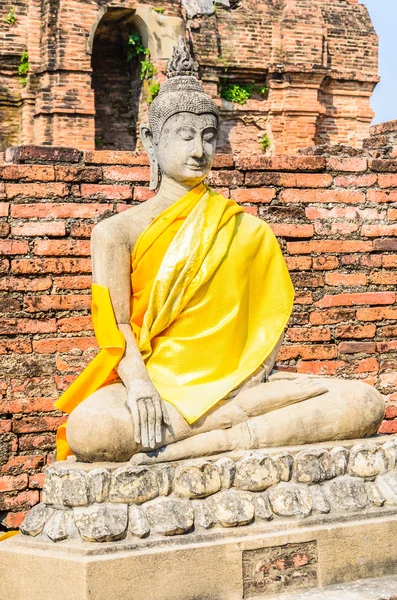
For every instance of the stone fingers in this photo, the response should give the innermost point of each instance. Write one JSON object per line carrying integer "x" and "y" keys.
{"x": 159, "y": 420}
{"x": 151, "y": 421}
{"x": 143, "y": 416}
{"x": 137, "y": 422}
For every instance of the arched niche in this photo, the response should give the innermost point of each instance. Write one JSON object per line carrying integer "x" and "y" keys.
{"x": 115, "y": 79}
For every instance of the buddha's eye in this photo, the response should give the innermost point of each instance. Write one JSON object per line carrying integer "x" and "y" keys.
{"x": 185, "y": 133}
{"x": 209, "y": 136}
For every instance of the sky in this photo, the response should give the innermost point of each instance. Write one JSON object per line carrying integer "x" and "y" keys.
{"x": 384, "y": 17}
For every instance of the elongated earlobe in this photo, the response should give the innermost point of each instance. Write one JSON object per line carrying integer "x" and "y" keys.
{"x": 147, "y": 141}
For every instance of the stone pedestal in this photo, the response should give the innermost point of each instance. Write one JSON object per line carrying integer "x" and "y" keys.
{"x": 245, "y": 525}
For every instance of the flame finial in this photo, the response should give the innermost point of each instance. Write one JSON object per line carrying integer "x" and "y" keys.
{"x": 181, "y": 63}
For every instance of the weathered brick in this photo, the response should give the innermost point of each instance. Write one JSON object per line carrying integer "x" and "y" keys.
{"x": 77, "y": 282}
{"x": 36, "y": 190}
{"x": 356, "y": 181}
{"x": 36, "y": 424}
{"x": 316, "y": 352}
{"x": 322, "y": 196}
{"x": 324, "y": 246}
{"x": 281, "y": 163}
{"x": 227, "y": 178}
{"x": 13, "y": 247}
{"x": 135, "y": 174}
{"x": 19, "y": 501}
{"x": 75, "y": 324}
{"x": 292, "y": 180}
{"x": 355, "y": 331}
{"x": 62, "y": 248}
{"x": 355, "y": 164}
{"x": 39, "y": 228}
{"x": 61, "y": 302}
{"x": 14, "y": 326}
{"x": 78, "y": 174}
{"x": 52, "y": 345}
{"x": 15, "y": 345}
{"x": 325, "y": 263}
{"x": 24, "y": 284}
{"x": 8, "y": 483}
{"x": 321, "y": 367}
{"x": 381, "y": 196}
{"x": 383, "y": 278}
{"x": 389, "y": 261}
{"x": 27, "y": 172}
{"x": 25, "y": 266}
{"x": 254, "y": 195}
{"x": 333, "y": 315}
{"x": 63, "y": 210}
{"x": 357, "y": 299}
{"x": 376, "y": 314}
{"x": 378, "y": 230}
{"x": 291, "y": 230}
{"x": 141, "y": 194}
{"x": 4, "y": 209}
{"x": 357, "y": 347}
{"x": 106, "y": 192}
{"x": 345, "y": 279}
{"x": 303, "y": 334}
{"x": 298, "y": 263}
{"x": 115, "y": 157}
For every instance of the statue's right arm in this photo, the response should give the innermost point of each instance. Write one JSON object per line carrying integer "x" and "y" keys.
{"x": 111, "y": 268}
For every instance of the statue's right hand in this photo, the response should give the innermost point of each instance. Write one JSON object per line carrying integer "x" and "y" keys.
{"x": 148, "y": 412}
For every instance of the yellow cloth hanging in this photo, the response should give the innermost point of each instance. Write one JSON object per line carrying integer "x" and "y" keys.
{"x": 211, "y": 298}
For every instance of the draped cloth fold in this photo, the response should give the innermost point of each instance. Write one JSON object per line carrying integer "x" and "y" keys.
{"x": 211, "y": 298}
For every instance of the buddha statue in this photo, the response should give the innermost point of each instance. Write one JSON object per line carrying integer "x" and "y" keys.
{"x": 191, "y": 297}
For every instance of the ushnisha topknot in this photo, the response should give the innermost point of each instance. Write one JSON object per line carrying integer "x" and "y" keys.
{"x": 182, "y": 92}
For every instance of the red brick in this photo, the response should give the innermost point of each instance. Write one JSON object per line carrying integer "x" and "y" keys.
{"x": 107, "y": 192}
{"x": 51, "y": 265}
{"x": 347, "y": 213}
{"x": 26, "y": 405}
{"x": 281, "y": 163}
{"x": 316, "y": 352}
{"x": 389, "y": 261}
{"x": 19, "y": 501}
{"x": 78, "y": 174}
{"x": 251, "y": 210}
{"x": 36, "y": 228}
{"x": 376, "y": 314}
{"x": 24, "y": 463}
{"x": 379, "y": 196}
{"x": 304, "y": 334}
{"x": 225, "y": 178}
{"x": 27, "y": 172}
{"x": 36, "y": 190}
{"x": 392, "y": 214}
{"x": 77, "y": 282}
{"x": 222, "y": 161}
{"x": 325, "y": 263}
{"x": 141, "y": 194}
{"x": 25, "y": 285}
{"x": 307, "y": 280}
{"x": 61, "y": 302}
{"x": 8, "y": 483}
{"x": 320, "y": 367}
{"x": 324, "y": 246}
{"x": 117, "y": 173}
{"x": 388, "y": 427}
{"x": 13, "y": 520}
{"x": 75, "y": 324}
{"x": 4, "y": 207}
{"x": 4, "y": 229}
{"x": 290, "y": 230}
{"x": 13, "y": 326}
{"x": 333, "y": 315}
{"x": 45, "y": 441}
{"x": 386, "y": 245}
{"x": 367, "y": 365}
{"x": 291, "y": 180}
{"x": 254, "y": 195}
{"x": 347, "y": 164}
{"x": 356, "y": 181}
{"x": 388, "y": 331}
{"x": 5, "y": 426}
{"x": 372, "y": 261}
{"x": 383, "y": 278}
{"x": 81, "y": 230}
{"x": 62, "y": 248}
{"x": 298, "y": 263}
{"x": 346, "y": 279}
{"x": 387, "y": 181}
{"x": 37, "y": 481}
{"x": 15, "y": 345}
{"x": 37, "y": 424}
{"x": 13, "y": 247}
{"x": 52, "y": 345}
{"x": 383, "y": 165}
{"x": 355, "y": 331}
{"x": 357, "y": 347}
{"x": 4, "y": 265}
{"x": 63, "y": 210}
{"x": 115, "y": 157}
{"x": 378, "y": 230}
{"x": 386, "y": 346}
{"x": 356, "y": 299}
{"x": 303, "y": 297}
{"x": 322, "y": 196}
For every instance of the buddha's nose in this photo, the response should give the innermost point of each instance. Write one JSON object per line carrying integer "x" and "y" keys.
{"x": 197, "y": 150}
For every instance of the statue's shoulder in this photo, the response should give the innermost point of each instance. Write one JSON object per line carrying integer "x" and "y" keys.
{"x": 123, "y": 228}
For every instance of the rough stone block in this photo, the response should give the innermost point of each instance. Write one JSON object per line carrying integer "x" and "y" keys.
{"x": 74, "y": 488}
{"x": 263, "y": 509}
{"x": 98, "y": 485}
{"x": 169, "y": 516}
{"x": 197, "y": 480}
{"x": 319, "y": 499}
{"x": 390, "y": 449}
{"x": 311, "y": 466}
{"x": 256, "y": 472}
{"x": 387, "y": 485}
{"x": 138, "y": 523}
{"x": 346, "y": 493}
{"x": 284, "y": 462}
{"x": 203, "y": 515}
{"x": 134, "y": 485}
{"x": 374, "y": 495}
{"x": 291, "y": 500}
{"x": 367, "y": 460}
{"x": 105, "y": 522}
{"x": 232, "y": 508}
{"x": 34, "y": 522}
{"x": 227, "y": 471}
{"x": 56, "y": 526}
{"x": 339, "y": 460}
{"x": 165, "y": 476}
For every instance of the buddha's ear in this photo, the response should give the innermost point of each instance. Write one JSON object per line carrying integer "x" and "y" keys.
{"x": 148, "y": 144}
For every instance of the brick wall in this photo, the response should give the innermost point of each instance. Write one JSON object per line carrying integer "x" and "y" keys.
{"x": 335, "y": 218}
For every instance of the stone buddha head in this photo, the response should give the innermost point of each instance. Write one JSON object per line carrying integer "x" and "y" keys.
{"x": 180, "y": 138}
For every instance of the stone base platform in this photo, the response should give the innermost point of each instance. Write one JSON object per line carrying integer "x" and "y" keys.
{"x": 243, "y": 525}
{"x": 249, "y": 562}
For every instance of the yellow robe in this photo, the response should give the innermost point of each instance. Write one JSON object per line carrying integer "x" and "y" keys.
{"x": 211, "y": 298}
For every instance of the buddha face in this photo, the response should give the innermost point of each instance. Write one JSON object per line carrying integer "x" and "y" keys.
{"x": 185, "y": 152}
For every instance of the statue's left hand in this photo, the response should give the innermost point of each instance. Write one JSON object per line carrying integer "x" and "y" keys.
{"x": 148, "y": 412}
